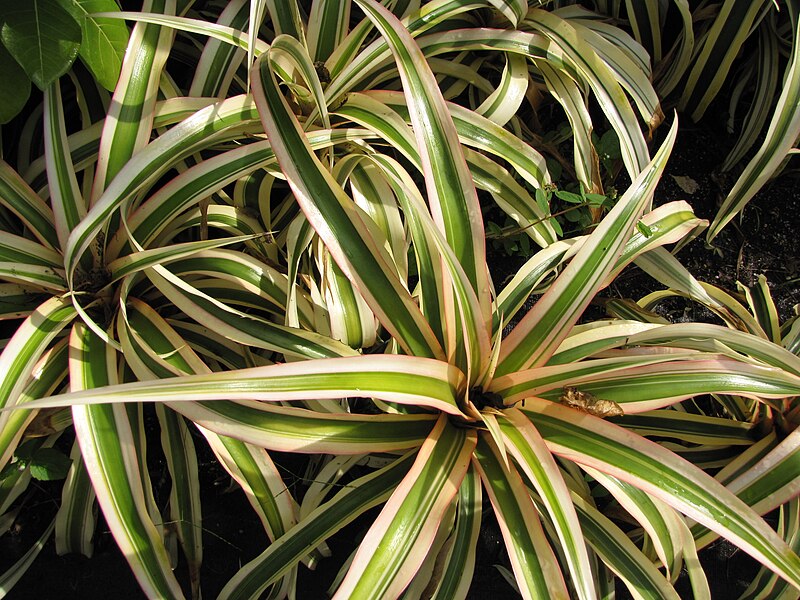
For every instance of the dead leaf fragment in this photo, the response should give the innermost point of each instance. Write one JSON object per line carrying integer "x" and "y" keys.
{"x": 589, "y": 403}
{"x": 687, "y": 184}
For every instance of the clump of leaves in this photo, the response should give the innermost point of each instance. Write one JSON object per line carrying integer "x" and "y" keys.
{"x": 40, "y": 40}
{"x": 349, "y": 174}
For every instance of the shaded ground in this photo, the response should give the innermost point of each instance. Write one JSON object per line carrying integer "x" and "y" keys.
{"x": 762, "y": 240}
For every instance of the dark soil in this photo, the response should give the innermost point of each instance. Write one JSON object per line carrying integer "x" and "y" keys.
{"x": 761, "y": 240}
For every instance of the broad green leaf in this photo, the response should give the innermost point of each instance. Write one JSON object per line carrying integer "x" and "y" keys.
{"x": 49, "y": 464}
{"x": 16, "y": 86}
{"x": 104, "y": 40}
{"x": 42, "y": 37}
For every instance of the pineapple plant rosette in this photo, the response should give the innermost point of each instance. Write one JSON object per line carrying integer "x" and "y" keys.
{"x": 403, "y": 367}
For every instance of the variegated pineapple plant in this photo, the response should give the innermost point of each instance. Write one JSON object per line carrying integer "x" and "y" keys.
{"x": 327, "y": 219}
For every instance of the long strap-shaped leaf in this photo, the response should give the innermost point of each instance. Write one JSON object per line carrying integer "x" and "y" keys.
{"x": 616, "y": 550}
{"x": 208, "y": 177}
{"x": 540, "y": 332}
{"x": 451, "y": 194}
{"x": 17, "y": 249}
{"x": 456, "y": 577}
{"x": 108, "y": 449}
{"x": 535, "y": 566}
{"x": 51, "y": 370}
{"x": 148, "y": 164}
{"x": 723, "y": 42}
{"x": 331, "y": 213}
{"x": 129, "y": 122}
{"x": 566, "y": 41}
{"x": 328, "y": 22}
{"x": 66, "y": 200}
{"x": 218, "y": 62}
{"x": 343, "y": 508}
{"x": 642, "y": 387}
{"x": 784, "y": 129}
{"x": 536, "y": 461}
{"x": 402, "y": 379}
{"x": 184, "y": 495}
{"x": 377, "y": 53}
{"x": 153, "y": 347}
{"x": 396, "y": 544}
{"x": 75, "y": 520}
{"x": 29, "y": 342}
{"x": 471, "y": 349}
{"x": 585, "y": 439}
{"x": 19, "y": 198}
